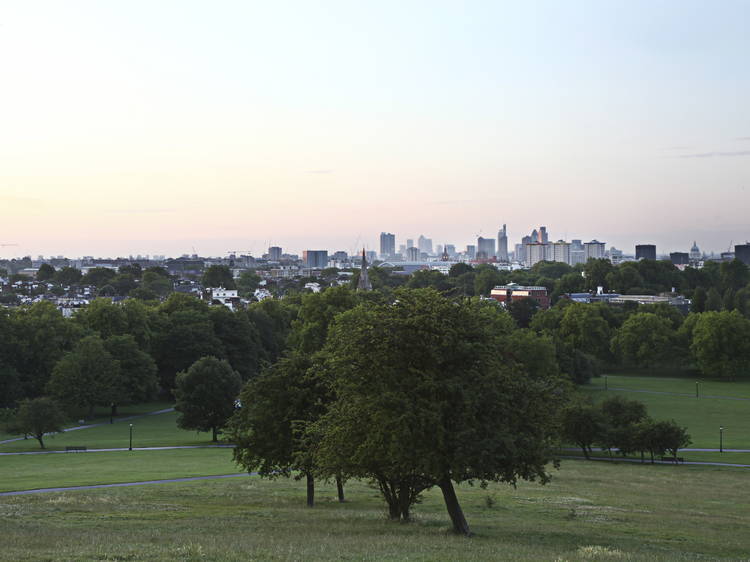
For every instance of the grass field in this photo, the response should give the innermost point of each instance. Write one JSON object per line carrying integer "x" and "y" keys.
{"x": 25, "y": 472}
{"x": 590, "y": 511}
{"x": 149, "y": 431}
{"x": 702, "y": 416}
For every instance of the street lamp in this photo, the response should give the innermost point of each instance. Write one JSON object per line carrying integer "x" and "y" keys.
{"x": 721, "y": 439}
{"x": 130, "y": 448}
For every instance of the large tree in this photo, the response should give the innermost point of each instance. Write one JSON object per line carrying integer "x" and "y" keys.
{"x": 139, "y": 379}
{"x": 218, "y": 276}
{"x": 430, "y": 392}
{"x": 38, "y": 417}
{"x": 721, "y": 344}
{"x": 206, "y": 395}
{"x": 645, "y": 340}
{"x": 86, "y": 377}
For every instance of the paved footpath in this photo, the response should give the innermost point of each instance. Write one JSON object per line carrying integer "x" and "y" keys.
{"x": 671, "y": 463}
{"x": 689, "y": 395}
{"x": 118, "y": 420}
{"x": 122, "y": 484}
{"x": 167, "y": 448}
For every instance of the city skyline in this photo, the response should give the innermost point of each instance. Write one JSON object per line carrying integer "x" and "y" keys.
{"x": 129, "y": 130}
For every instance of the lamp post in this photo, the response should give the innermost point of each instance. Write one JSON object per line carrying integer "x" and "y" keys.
{"x": 605, "y": 382}
{"x": 721, "y": 439}
{"x": 696, "y": 390}
{"x": 130, "y": 448}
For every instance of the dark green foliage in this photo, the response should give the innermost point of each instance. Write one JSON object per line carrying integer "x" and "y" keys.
{"x": 138, "y": 372}
{"x": 431, "y": 391}
{"x": 239, "y": 339}
{"x": 68, "y": 276}
{"x": 218, "y": 276}
{"x": 698, "y": 302}
{"x": 583, "y": 424}
{"x": 86, "y": 377}
{"x": 713, "y": 300}
{"x": 206, "y": 395}
{"x": 11, "y": 389}
{"x": 99, "y": 276}
{"x": 522, "y": 311}
{"x": 721, "y": 344}
{"x": 38, "y": 417}
{"x": 620, "y": 420}
{"x": 247, "y": 283}
{"x": 46, "y": 272}
{"x": 645, "y": 340}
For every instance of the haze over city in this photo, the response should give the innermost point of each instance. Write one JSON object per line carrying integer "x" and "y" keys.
{"x": 173, "y": 127}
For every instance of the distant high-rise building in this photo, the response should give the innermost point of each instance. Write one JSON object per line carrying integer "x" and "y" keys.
{"x": 471, "y": 251}
{"x": 519, "y": 253}
{"x": 679, "y": 258}
{"x": 534, "y": 236}
{"x": 543, "y": 236}
{"x": 340, "y": 256}
{"x": 274, "y": 253}
{"x": 317, "y": 259}
{"x": 439, "y": 250}
{"x": 560, "y": 252}
{"x": 450, "y": 249}
{"x": 424, "y": 244}
{"x": 577, "y": 252}
{"x": 594, "y": 250}
{"x": 387, "y": 245}
{"x": 486, "y": 246}
{"x": 409, "y": 243}
{"x": 502, "y": 244}
{"x": 412, "y": 254}
{"x": 742, "y": 253}
{"x": 645, "y": 252}
{"x": 535, "y": 252}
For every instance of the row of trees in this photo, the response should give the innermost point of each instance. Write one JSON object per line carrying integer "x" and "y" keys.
{"x": 623, "y": 425}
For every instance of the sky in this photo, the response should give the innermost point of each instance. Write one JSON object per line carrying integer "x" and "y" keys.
{"x": 175, "y": 127}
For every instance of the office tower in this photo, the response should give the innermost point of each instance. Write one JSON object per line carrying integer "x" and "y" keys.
{"x": 450, "y": 249}
{"x": 560, "y": 252}
{"x": 371, "y": 256}
{"x": 409, "y": 243}
{"x": 412, "y": 254}
{"x": 439, "y": 250}
{"x": 679, "y": 258}
{"x": 340, "y": 256}
{"x": 519, "y": 253}
{"x": 645, "y": 252}
{"x": 317, "y": 259}
{"x": 274, "y": 253}
{"x": 387, "y": 245}
{"x": 543, "y": 236}
{"x": 402, "y": 249}
{"x": 471, "y": 251}
{"x": 424, "y": 244}
{"x": 593, "y": 250}
{"x": 534, "y": 236}
{"x": 485, "y": 247}
{"x": 742, "y": 253}
{"x": 577, "y": 252}
{"x": 502, "y": 244}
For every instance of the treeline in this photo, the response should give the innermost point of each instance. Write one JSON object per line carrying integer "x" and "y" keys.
{"x": 112, "y": 354}
{"x": 622, "y": 425}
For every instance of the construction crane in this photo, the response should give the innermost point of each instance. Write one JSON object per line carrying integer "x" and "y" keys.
{"x": 3, "y": 245}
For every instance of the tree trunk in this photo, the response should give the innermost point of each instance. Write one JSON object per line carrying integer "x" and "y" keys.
{"x": 340, "y": 488}
{"x": 40, "y": 438}
{"x": 310, "y": 490}
{"x": 454, "y": 508}
{"x": 585, "y": 452}
{"x": 393, "y": 512}
{"x": 215, "y": 435}
{"x": 90, "y": 415}
{"x": 113, "y": 411}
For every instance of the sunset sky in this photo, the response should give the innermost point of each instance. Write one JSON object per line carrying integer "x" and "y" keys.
{"x": 160, "y": 127}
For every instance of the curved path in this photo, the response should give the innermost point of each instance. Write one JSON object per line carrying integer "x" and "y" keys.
{"x": 119, "y": 420}
{"x": 701, "y": 463}
{"x": 122, "y": 484}
{"x": 687, "y": 394}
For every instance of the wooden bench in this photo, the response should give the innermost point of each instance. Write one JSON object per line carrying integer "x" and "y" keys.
{"x": 74, "y": 448}
{"x": 673, "y": 459}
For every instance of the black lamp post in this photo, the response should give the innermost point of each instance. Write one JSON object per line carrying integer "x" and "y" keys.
{"x": 721, "y": 439}
{"x": 130, "y": 448}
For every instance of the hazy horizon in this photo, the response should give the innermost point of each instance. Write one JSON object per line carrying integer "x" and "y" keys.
{"x": 159, "y": 128}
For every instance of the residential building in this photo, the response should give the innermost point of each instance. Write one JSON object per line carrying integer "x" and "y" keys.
{"x": 594, "y": 250}
{"x": 274, "y": 253}
{"x": 577, "y": 252}
{"x": 513, "y": 292}
{"x": 535, "y": 252}
{"x": 560, "y": 252}
{"x": 742, "y": 253}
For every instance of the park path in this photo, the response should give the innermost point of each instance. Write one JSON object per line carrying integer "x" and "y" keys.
{"x": 122, "y": 484}
{"x": 690, "y": 395}
{"x": 116, "y": 449}
{"x": 725, "y": 450}
{"x": 89, "y": 426}
{"x": 701, "y": 463}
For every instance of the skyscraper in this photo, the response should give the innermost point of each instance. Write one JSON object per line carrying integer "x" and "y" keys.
{"x": 317, "y": 259}
{"x": 560, "y": 252}
{"x": 742, "y": 253}
{"x": 274, "y": 253}
{"x": 543, "y": 236}
{"x": 424, "y": 244}
{"x": 387, "y": 245}
{"x": 486, "y": 247}
{"x": 645, "y": 252}
{"x": 502, "y": 244}
{"x": 594, "y": 250}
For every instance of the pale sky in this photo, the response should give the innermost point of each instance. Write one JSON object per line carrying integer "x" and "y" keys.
{"x": 157, "y": 127}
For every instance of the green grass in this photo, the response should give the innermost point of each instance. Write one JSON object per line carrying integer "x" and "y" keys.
{"x": 150, "y": 431}
{"x": 702, "y": 416}
{"x": 26, "y": 472}
{"x": 590, "y": 511}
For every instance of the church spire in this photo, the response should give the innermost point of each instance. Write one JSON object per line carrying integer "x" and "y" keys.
{"x": 364, "y": 280}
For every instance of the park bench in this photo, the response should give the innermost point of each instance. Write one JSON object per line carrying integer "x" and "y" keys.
{"x": 76, "y": 448}
{"x": 673, "y": 459}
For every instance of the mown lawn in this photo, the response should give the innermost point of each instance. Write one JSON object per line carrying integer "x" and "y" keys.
{"x": 702, "y": 416}
{"x": 590, "y": 511}
{"x": 150, "y": 431}
{"x": 25, "y": 472}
